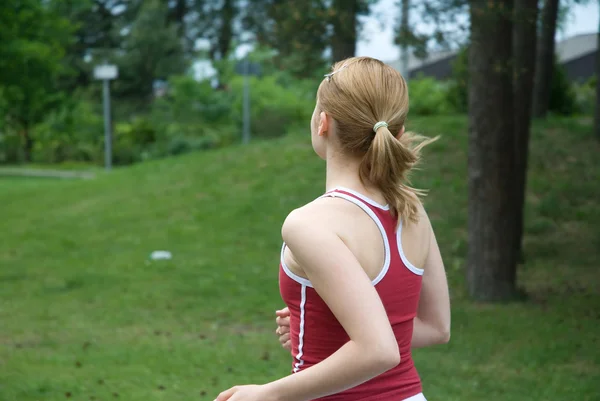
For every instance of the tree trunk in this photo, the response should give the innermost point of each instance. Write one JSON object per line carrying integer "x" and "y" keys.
{"x": 524, "y": 45}
{"x": 597, "y": 114}
{"x": 345, "y": 25}
{"x": 404, "y": 30}
{"x": 545, "y": 59}
{"x": 491, "y": 267}
{"x": 226, "y": 29}
{"x": 180, "y": 11}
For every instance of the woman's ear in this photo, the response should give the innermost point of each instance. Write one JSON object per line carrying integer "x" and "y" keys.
{"x": 323, "y": 124}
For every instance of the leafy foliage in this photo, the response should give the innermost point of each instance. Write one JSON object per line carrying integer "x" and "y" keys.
{"x": 458, "y": 94}
{"x": 562, "y": 93}
{"x": 563, "y": 99}
{"x": 191, "y": 116}
{"x": 585, "y": 96}
{"x": 297, "y": 30}
{"x": 152, "y": 50}
{"x": 33, "y": 39}
{"x": 429, "y": 96}
{"x": 73, "y": 132}
{"x": 446, "y": 17}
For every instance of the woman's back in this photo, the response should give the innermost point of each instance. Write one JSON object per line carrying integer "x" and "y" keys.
{"x": 373, "y": 235}
{"x": 351, "y": 275}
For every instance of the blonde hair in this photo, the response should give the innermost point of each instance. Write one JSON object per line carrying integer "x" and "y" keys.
{"x": 358, "y": 93}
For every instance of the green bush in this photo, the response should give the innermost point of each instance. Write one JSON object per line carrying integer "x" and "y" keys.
{"x": 428, "y": 96}
{"x": 585, "y": 96}
{"x": 11, "y": 150}
{"x": 140, "y": 131}
{"x": 173, "y": 142}
{"x": 563, "y": 99}
{"x": 73, "y": 132}
{"x": 125, "y": 149}
{"x": 10, "y": 147}
{"x": 190, "y": 102}
{"x": 193, "y": 116}
{"x": 458, "y": 89}
{"x": 275, "y": 109}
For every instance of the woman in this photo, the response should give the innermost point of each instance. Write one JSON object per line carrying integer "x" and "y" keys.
{"x": 360, "y": 270}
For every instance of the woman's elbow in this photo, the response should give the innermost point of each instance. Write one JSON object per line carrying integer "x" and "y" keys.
{"x": 388, "y": 357}
{"x": 392, "y": 360}
{"x": 444, "y": 336}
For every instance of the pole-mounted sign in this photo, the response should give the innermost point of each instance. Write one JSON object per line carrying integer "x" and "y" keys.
{"x": 106, "y": 72}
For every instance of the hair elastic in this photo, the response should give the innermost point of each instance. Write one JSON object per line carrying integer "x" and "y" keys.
{"x": 379, "y": 125}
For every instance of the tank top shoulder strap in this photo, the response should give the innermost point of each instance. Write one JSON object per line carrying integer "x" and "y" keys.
{"x": 381, "y": 216}
{"x": 390, "y": 227}
{"x": 382, "y": 211}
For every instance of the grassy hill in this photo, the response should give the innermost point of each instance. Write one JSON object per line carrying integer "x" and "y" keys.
{"x": 86, "y": 315}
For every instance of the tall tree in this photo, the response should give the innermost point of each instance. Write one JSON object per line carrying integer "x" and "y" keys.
{"x": 545, "y": 58}
{"x": 216, "y": 21}
{"x": 178, "y": 10}
{"x": 296, "y": 30}
{"x": 33, "y": 38}
{"x": 95, "y": 23}
{"x": 445, "y": 17}
{"x": 346, "y": 27}
{"x": 597, "y": 113}
{"x": 524, "y": 46}
{"x": 301, "y": 31}
{"x": 491, "y": 264}
{"x": 402, "y": 38}
{"x": 227, "y": 12}
{"x": 151, "y": 50}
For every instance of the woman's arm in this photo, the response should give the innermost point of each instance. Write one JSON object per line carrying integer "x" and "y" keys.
{"x": 432, "y": 324}
{"x": 343, "y": 285}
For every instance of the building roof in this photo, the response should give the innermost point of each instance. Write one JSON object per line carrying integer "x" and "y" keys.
{"x": 568, "y": 49}
{"x": 414, "y": 62}
{"x": 576, "y": 46}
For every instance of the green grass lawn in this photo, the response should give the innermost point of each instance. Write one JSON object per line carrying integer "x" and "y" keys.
{"x": 85, "y": 315}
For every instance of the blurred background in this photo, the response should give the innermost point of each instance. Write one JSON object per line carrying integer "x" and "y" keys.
{"x": 150, "y": 151}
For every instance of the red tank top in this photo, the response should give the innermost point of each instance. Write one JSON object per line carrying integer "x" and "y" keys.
{"x": 316, "y": 333}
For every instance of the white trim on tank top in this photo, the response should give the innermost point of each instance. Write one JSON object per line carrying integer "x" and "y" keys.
{"x": 382, "y": 273}
{"x": 361, "y": 197}
{"x": 365, "y": 208}
{"x": 371, "y": 202}
{"x": 407, "y": 263}
{"x": 300, "y": 354}
{"x": 417, "y": 397}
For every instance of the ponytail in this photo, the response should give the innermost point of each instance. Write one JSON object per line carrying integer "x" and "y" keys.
{"x": 386, "y": 165}
{"x": 358, "y": 91}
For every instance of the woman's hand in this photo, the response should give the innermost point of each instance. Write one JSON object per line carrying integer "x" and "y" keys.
{"x": 283, "y": 328}
{"x": 251, "y": 392}
{"x": 254, "y": 392}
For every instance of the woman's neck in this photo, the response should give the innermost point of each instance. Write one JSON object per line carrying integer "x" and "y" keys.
{"x": 343, "y": 172}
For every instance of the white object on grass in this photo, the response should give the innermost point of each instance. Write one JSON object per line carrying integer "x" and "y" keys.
{"x": 161, "y": 255}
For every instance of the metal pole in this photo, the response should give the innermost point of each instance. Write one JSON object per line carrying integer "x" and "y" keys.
{"x": 246, "y": 105}
{"x": 107, "y": 133}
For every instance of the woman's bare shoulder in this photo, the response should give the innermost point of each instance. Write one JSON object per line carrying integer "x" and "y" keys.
{"x": 322, "y": 213}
